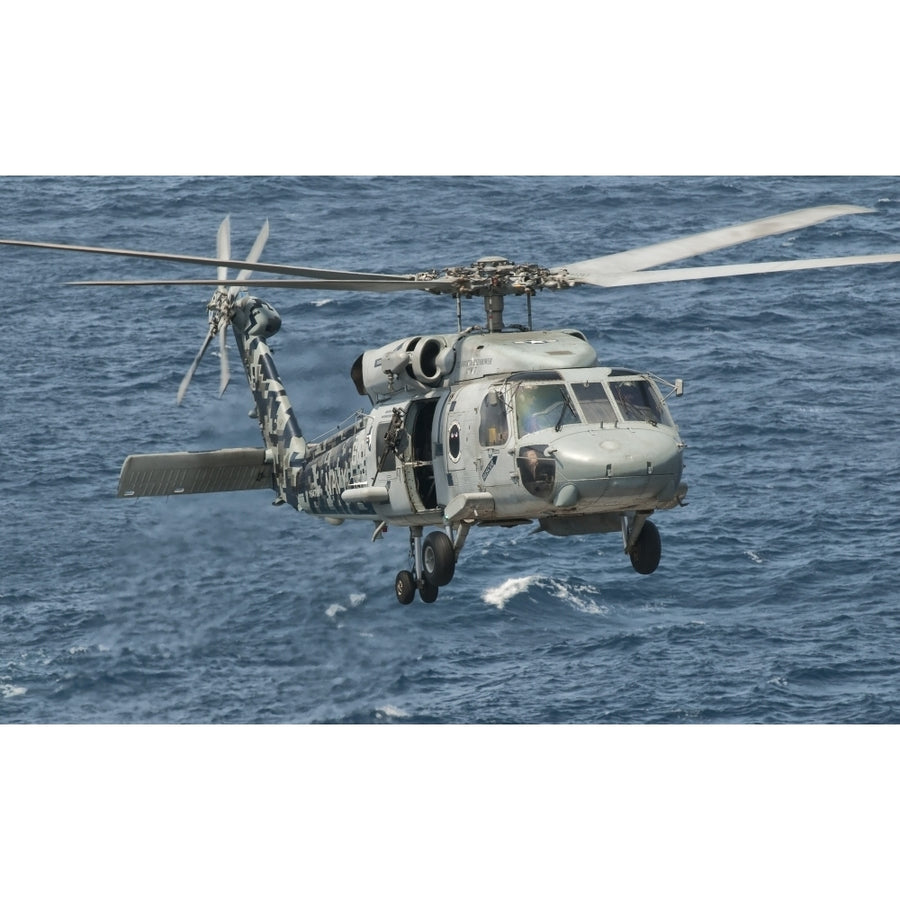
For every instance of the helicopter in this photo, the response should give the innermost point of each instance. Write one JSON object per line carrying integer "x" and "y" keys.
{"x": 489, "y": 425}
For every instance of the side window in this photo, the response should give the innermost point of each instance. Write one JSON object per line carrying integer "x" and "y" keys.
{"x": 387, "y": 442}
{"x": 594, "y": 402}
{"x": 493, "y": 425}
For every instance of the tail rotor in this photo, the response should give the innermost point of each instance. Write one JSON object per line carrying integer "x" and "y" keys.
{"x": 220, "y": 307}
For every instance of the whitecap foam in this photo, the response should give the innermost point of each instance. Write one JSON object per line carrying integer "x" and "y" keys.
{"x": 390, "y": 712}
{"x": 585, "y": 604}
{"x": 501, "y": 595}
{"x": 580, "y": 599}
{"x": 8, "y": 691}
{"x": 323, "y": 301}
{"x": 357, "y": 600}
{"x": 334, "y": 609}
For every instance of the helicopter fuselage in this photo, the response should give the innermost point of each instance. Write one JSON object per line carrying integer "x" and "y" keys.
{"x": 487, "y": 428}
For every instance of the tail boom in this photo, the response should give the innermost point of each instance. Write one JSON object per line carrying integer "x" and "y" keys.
{"x": 253, "y": 322}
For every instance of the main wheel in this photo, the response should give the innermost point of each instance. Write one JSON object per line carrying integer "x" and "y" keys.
{"x": 647, "y": 549}
{"x": 438, "y": 558}
{"x": 405, "y": 585}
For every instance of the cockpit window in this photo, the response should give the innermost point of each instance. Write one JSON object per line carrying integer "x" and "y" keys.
{"x": 638, "y": 401}
{"x": 594, "y": 403}
{"x": 541, "y": 406}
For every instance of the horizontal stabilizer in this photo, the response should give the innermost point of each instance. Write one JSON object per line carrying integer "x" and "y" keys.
{"x": 165, "y": 474}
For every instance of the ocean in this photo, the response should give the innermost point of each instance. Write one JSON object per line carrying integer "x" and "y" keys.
{"x": 776, "y": 600}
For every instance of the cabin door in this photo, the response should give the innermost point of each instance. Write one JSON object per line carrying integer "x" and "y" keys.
{"x": 419, "y": 457}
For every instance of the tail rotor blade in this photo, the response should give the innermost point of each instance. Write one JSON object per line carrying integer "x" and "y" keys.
{"x": 224, "y": 373}
{"x": 220, "y": 305}
{"x": 255, "y": 251}
{"x": 223, "y": 246}
{"x": 190, "y": 372}
{"x": 220, "y": 321}
{"x": 253, "y": 256}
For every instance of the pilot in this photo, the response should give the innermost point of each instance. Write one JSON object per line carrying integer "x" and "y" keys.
{"x": 632, "y": 401}
{"x": 538, "y": 473}
{"x": 530, "y": 417}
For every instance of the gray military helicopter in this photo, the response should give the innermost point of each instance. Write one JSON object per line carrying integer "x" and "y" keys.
{"x": 492, "y": 424}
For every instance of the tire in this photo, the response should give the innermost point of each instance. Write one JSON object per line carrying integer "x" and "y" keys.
{"x": 405, "y": 585}
{"x": 647, "y": 550}
{"x": 428, "y": 592}
{"x": 438, "y": 559}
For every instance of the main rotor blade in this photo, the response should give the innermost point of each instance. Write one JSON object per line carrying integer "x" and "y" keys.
{"x": 440, "y": 286}
{"x": 588, "y": 270}
{"x": 696, "y": 273}
{"x": 274, "y": 268}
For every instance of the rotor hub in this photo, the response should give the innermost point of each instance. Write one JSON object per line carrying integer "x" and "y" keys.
{"x": 495, "y": 277}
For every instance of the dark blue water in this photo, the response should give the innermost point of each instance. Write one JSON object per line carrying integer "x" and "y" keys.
{"x": 776, "y": 600}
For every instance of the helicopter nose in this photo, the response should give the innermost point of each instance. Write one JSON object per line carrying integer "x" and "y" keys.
{"x": 643, "y": 464}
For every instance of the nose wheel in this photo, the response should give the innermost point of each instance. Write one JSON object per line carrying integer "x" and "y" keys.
{"x": 432, "y": 564}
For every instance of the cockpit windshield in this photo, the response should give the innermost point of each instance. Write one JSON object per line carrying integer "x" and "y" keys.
{"x": 540, "y": 406}
{"x": 594, "y": 402}
{"x": 548, "y": 404}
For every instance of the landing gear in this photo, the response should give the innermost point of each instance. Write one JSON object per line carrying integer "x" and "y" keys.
{"x": 405, "y": 585}
{"x": 642, "y": 543}
{"x": 432, "y": 562}
{"x": 438, "y": 559}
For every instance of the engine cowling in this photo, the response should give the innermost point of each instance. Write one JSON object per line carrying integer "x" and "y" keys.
{"x": 408, "y": 365}
{"x": 431, "y": 359}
